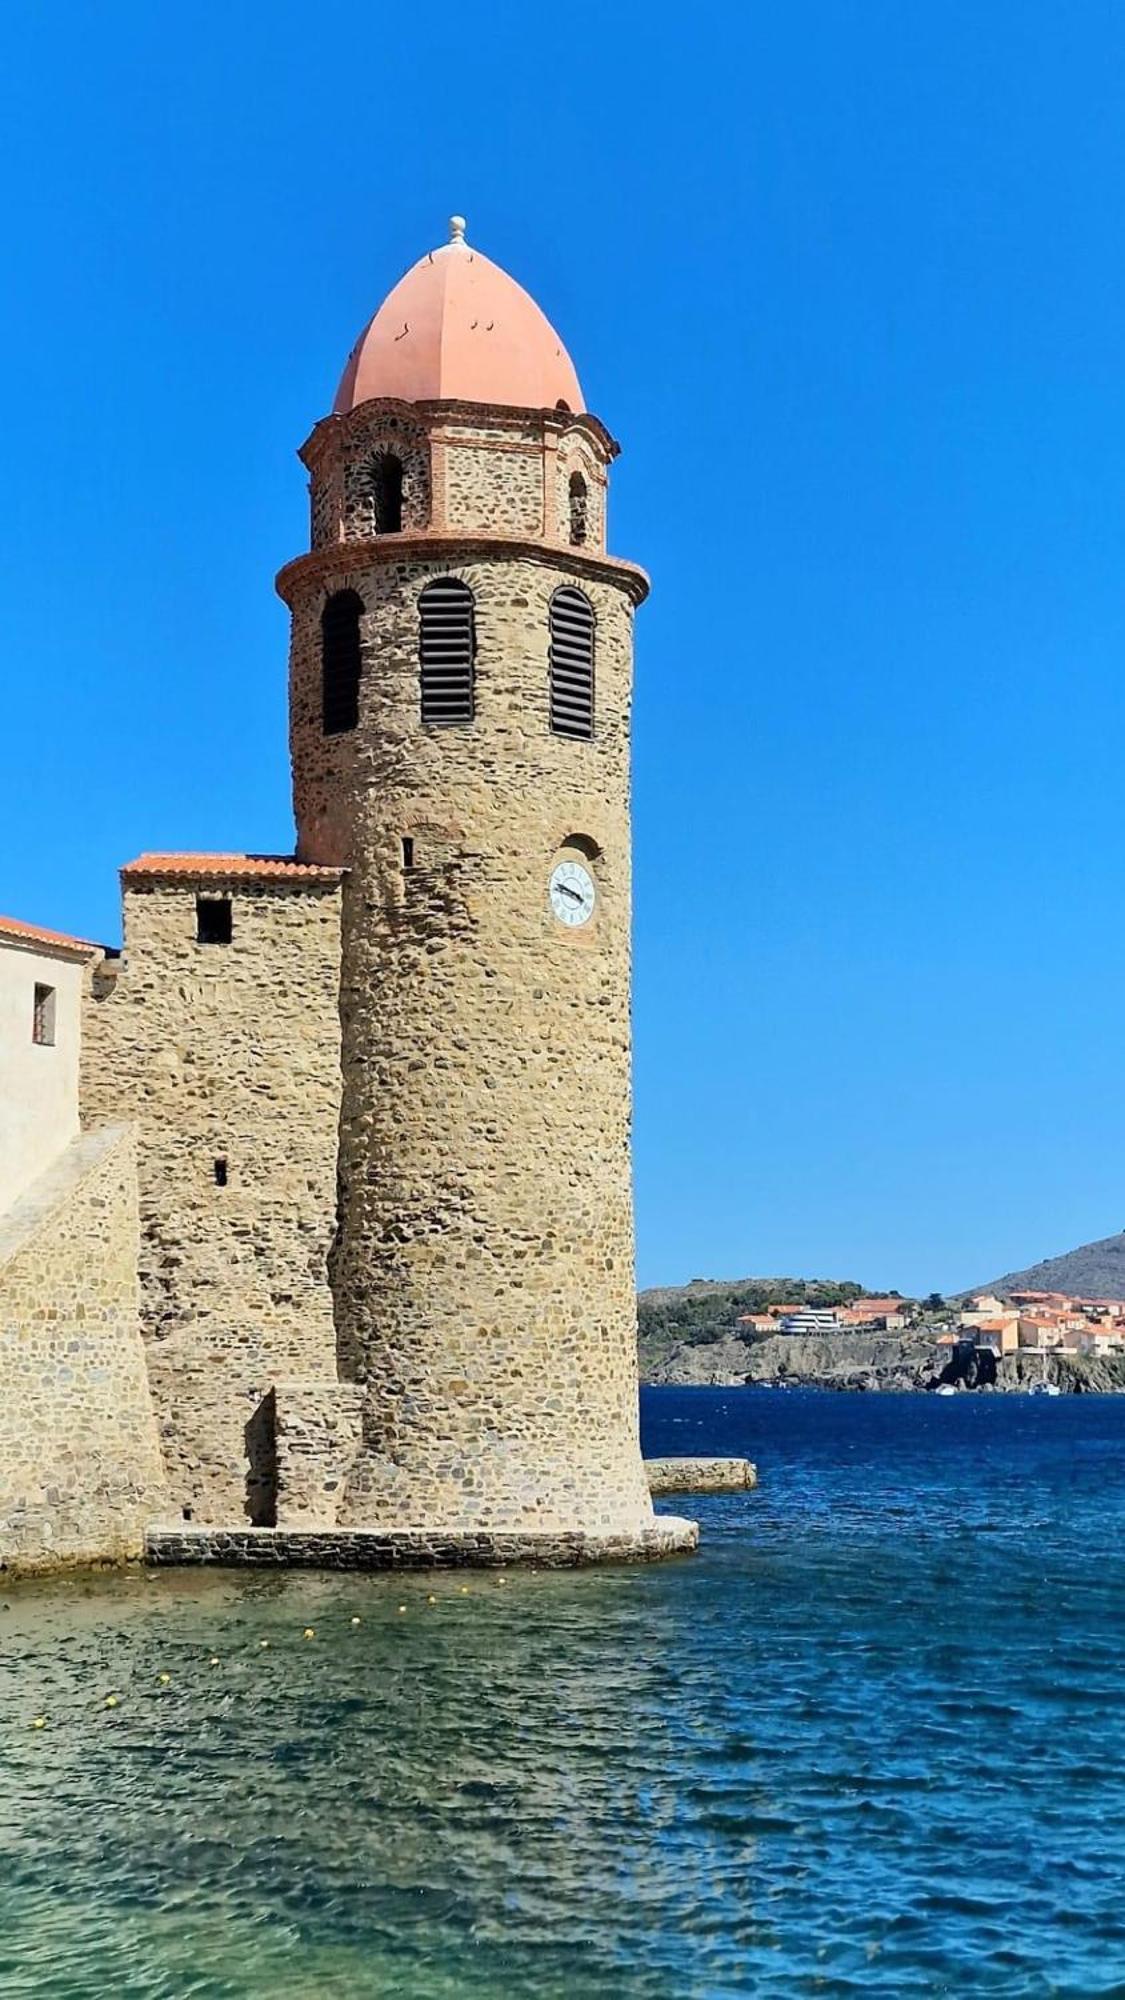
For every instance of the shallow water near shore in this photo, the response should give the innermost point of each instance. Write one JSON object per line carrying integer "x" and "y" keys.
{"x": 870, "y": 1740}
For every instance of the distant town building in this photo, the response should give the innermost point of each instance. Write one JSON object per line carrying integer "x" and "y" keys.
{"x": 811, "y": 1319}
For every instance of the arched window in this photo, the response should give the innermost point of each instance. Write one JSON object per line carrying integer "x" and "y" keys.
{"x": 571, "y": 663}
{"x": 386, "y": 492}
{"x": 339, "y": 662}
{"x": 446, "y": 650}
{"x": 578, "y": 508}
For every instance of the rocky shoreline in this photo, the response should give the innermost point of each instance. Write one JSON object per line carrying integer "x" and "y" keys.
{"x": 865, "y": 1362}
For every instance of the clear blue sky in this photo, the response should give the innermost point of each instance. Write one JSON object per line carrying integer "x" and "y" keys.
{"x": 848, "y": 281}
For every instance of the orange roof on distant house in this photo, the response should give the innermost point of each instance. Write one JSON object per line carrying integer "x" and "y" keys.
{"x": 11, "y": 927}
{"x": 253, "y": 867}
{"x": 993, "y": 1326}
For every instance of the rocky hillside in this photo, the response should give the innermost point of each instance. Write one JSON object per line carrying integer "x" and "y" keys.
{"x": 707, "y": 1310}
{"x": 819, "y": 1361}
{"x": 869, "y": 1361}
{"x": 1093, "y": 1271}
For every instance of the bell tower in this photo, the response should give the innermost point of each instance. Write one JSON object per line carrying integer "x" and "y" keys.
{"x": 460, "y": 689}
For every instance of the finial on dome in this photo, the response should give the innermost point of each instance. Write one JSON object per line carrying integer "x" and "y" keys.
{"x": 457, "y": 229}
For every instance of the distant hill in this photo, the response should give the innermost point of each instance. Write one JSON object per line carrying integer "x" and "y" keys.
{"x": 706, "y": 1310}
{"x": 1094, "y": 1270}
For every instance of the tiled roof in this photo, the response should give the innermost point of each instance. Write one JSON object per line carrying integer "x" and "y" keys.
{"x": 10, "y": 927}
{"x": 254, "y": 867}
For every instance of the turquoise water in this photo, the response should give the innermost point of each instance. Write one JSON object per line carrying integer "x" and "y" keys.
{"x": 871, "y": 1740}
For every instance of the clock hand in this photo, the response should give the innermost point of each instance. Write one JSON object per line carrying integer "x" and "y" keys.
{"x": 574, "y": 894}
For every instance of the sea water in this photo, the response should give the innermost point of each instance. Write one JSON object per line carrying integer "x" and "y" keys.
{"x": 871, "y": 1740}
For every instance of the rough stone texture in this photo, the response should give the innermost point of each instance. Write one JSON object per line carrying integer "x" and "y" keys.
{"x": 80, "y": 1468}
{"x": 484, "y": 1268}
{"x": 700, "y": 1475}
{"x": 226, "y": 1052}
{"x": 496, "y": 480}
{"x": 664, "y": 1535}
{"x": 465, "y": 467}
{"x": 319, "y": 1436}
{"x": 483, "y": 1271}
{"x": 400, "y": 1326}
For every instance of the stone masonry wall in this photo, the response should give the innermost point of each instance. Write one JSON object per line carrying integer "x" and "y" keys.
{"x": 231, "y": 1053}
{"x": 484, "y": 1275}
{"x": 465, "y": 467}
{"x": 80, "y": 1470}
{"x": 496, "y": 482}
{"x": 319, "y": 1437}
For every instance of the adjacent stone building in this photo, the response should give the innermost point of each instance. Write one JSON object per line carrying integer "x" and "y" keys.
{"x": 380, "y": 1089}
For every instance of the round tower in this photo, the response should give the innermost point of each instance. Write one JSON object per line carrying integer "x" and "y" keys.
{"x": 460, "y": 687}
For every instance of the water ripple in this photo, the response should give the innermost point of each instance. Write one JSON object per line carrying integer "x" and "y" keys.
{"x": 869, "y": 1742}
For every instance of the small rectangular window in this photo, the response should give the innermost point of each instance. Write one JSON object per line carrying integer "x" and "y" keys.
{"x": 43, "y": 1017}
{"x": 213, "y": 919}
{"x": 407, "y": 850}
{"x": 220, "y": 1173}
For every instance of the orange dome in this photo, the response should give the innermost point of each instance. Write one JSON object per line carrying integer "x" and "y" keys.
{"x": 457, "y": 327}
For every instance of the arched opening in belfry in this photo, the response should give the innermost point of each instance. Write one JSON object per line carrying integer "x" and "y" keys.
{"x": 386, "y": 492}
{"x": 579, "y": 509}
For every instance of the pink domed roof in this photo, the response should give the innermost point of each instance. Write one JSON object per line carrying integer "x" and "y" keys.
{"x": 457, "y": 327}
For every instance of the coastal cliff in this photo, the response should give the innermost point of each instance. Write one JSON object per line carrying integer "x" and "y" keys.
{"x": 864, "y": 1362}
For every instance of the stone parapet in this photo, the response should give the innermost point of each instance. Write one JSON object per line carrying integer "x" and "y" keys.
{"x": 271, "y": 1548}
{"x": 700, "y": 1475}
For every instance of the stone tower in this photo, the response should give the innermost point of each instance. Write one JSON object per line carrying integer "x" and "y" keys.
{"x": 460, "y": 687}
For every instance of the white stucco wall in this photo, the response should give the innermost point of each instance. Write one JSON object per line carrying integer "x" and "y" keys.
{"x": 38, "y": 1085}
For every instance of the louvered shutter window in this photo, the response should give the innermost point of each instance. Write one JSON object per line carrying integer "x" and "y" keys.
{"x": 446, "y": 647}
{"x": 339, "y": 661}
{"x": 572, "y": 664}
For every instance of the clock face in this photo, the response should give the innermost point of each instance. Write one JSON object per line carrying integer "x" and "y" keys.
{"x": 573, "y": 894}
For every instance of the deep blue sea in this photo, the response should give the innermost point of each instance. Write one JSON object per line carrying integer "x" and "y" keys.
{"x": 871, "y": 1740}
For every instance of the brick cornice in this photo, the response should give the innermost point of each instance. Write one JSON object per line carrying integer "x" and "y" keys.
{"x": 342, "y": 558}
{"x": 433, "y": 415}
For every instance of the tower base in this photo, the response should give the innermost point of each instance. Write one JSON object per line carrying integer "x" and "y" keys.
{"x": 410, "y": 1549}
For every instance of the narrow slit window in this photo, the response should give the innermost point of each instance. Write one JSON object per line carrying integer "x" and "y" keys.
{"x": 579, "y": 509}
{"x": 446, "y": 653}
{"x": 43, "y": 1017}
{"x": 214, "y": 920}
{"x": 386, "y": 493}
{"x": 220, "y": 1173}
{"x": 408, "y": 850}
{"x": 340, "y": 662}
{"x": 571, "y": 664}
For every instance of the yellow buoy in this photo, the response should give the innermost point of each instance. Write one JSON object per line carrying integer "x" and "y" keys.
{"x": 464, "y": 1590}
{"x": 214, "y": 1659}
{"x": 356, "y": 1621}
{"x": 39, "y": 1722}
{"x": 111, "y": 1701}
{"x": 310, "y": 1631}
{"x": 263, "y": 1642}
{"x": 164, "y": 1680}
{"x": 402, "y": 1607}
{"x": 431, "y": 1600}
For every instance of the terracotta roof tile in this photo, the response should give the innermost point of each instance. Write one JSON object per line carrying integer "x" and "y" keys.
{"x": 257, "y": 867}
{"x": 10, "y": 927}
